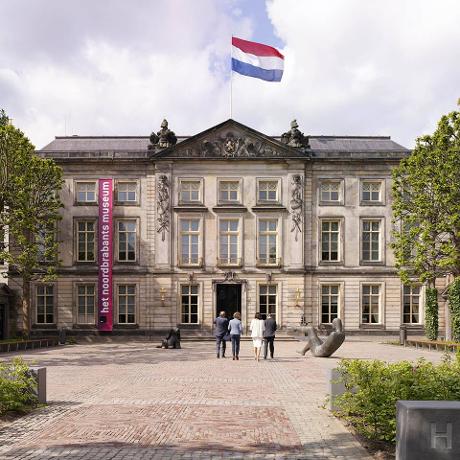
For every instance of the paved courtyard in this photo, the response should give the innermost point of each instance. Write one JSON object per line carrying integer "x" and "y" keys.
{"x": 133, "y": 401}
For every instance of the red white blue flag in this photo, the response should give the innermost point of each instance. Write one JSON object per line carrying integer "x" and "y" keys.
{"x": 257, "y": 60}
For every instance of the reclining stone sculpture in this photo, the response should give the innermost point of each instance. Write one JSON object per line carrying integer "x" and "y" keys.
{"x": 172, "y": 340}
{"x": 331, "y": 344}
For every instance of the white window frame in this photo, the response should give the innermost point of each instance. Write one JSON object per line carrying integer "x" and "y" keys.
{"x": 54, "y": 296}
{"x": 77, "y": 287}
{"x": 117, "y": 240}
{"x": 421, "y": 299}
{"x": 183, "y": 180}
{"x": 340, "y": 244}
{"x": 370, "y": 202}
{"x": 277, "y": 305}
{"x": 240, "y": 232}
{"x": 381, "y": 303}
{"x": 381, "y": 240}
{"x": 223, "y": 180}
{"x": 88, "y": 202}
{"x": 198, "y": 312}
{"x": 340, "y": 298}
{"x": 199, "y": 232}
{"x": 278, "y": 190}
{"x": 340, "y": 201}
{"x": 278, "y": 260}
{"x": 122, "y": 182}
{"x": 136, "y": 301}
{"x": 77, "y": 222}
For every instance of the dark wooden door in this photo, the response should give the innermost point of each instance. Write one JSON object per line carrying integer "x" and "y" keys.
{"x": 228, "y": 298}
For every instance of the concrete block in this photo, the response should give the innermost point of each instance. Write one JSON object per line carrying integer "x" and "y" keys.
{"x": 39, "y": 374}
{"x": 428, "y": 430}
{"x": 334, "y": 387}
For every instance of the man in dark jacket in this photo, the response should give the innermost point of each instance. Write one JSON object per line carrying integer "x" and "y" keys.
{"x": 269, "y": 335}
{"x": 220, "y": 331}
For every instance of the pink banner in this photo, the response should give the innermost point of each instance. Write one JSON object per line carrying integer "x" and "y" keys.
{"x": 105, "y": 257}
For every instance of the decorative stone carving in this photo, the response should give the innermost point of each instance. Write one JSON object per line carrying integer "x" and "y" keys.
{"x": 296, "y": 204}
{"x": 295, "y": 138}
{"x": 163, "y": 206}
{"x": 331, "y": 344}
{"x": 229, "y": 276}
{"x": 164, "y": 138}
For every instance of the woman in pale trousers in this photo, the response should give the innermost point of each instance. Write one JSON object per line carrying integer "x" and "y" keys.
{"x": 257, "y": 333}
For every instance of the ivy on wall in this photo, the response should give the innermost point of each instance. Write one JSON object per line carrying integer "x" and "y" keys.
{"x": 454, "y": 305}
{"x": 431, "y": 313}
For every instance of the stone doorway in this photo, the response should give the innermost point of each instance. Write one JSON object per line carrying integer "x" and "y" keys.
{"x": 228, "y": 298}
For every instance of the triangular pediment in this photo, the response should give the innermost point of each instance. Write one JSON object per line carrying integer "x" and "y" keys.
{"x": 230, "y": 140}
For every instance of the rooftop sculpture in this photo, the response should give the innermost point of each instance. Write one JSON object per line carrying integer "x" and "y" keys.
{"x": 295, "y": 138}
{"x": 164, "y": 138}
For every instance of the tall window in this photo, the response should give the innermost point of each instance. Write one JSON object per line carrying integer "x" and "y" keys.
{"x": 329, "y": 302}
{"x": 45, "y": 304}
{"x": 228, "y": 241}
{"x": 86, "y": 241}
{"x": 268, "y": 190}
{"x": 370, "y": 304}
{"x": 330, "y": 191}
{"x": 330, "y": 233}
{"x": 371, "y": 191}
{"x": 267, "y": 299}
{"x": 268, "y": 241}
{"x": 86, "y": 192}
{"x": 86, "y": 303}
{"x": 371, "y": 240}
{"x": 127, "y": 192}
{"x": 126, "y": 304}
{"x": 189, "y": 304}
{"x": 411, "y": 304}
{"x": 127, "y": 230}
{"x": 190, "y": 191}
{"x": 189, "y": 241}
{"x": 45, "y": 240}
{"x": 229, "y": 191}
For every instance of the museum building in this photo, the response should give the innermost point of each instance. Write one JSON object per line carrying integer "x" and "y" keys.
{"x": 228, "y": 219}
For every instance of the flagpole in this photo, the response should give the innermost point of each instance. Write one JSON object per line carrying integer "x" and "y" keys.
{"x": 231, "y": 78}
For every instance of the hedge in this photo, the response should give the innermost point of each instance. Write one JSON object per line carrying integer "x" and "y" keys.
{"x": 17, "y": 387}
{"x": 454, "y": 305}
{"x": 373, "y": 387}
{"x": 431, "y": 313}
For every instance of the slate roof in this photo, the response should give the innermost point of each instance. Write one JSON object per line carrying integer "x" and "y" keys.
{"x": 321, "y": 146}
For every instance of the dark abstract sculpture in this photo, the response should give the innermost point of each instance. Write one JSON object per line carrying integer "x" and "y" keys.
{"x": 172, "y": 341}
{"x": 295, "y": 138}
{"x": 164, "y": 138}
{"x": 331, "y": 344}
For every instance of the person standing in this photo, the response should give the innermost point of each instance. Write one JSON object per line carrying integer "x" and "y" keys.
{"x": 236, "y": 329}
{"x": 257, "y": 333}
{"x": 220, "y": 331}
{"x": 269, "y": 335}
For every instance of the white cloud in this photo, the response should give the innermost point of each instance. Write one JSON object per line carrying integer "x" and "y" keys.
{"x": 117, "y": 67}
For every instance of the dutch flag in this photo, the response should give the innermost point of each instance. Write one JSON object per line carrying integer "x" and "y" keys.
{"x": 257, "y": 60}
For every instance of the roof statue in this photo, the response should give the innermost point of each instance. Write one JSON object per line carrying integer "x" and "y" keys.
{"x": 295, "y": 138}
{"x": 164, "y": 138}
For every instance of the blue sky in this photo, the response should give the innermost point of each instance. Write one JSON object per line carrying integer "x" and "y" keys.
{"x": 112, "y": 67}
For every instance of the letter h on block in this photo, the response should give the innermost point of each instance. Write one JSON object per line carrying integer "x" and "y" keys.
{"x": 441, "y": 439}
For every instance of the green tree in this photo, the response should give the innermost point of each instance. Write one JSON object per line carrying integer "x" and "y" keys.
{"x": 30, "y": 205}
{"x": 426, "y": 206}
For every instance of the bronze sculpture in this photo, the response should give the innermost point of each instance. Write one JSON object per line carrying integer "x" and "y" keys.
{"x": 331, "y": 344}
{"x": 172, "y": 340}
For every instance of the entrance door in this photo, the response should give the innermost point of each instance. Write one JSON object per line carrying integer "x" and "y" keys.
{"x": 2, "y": 321}
{"x": 228, "y": 298}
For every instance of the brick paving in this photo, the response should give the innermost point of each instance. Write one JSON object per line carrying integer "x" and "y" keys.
{"x": 125, "y": 401}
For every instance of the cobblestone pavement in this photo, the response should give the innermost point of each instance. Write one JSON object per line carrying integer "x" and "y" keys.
{"x": 125, "y": 401}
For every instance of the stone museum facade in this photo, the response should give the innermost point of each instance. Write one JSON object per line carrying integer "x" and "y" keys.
{"x": 228, "y": 219}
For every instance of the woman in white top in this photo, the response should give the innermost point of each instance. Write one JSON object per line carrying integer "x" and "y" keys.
{"x": 257, "y": 333}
